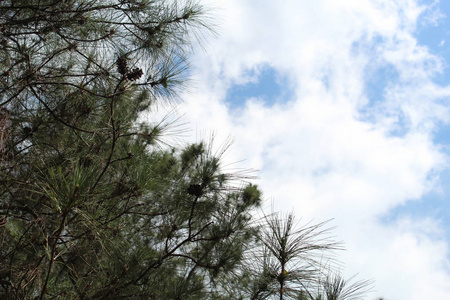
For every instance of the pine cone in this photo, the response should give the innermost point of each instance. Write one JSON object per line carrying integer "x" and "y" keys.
{"x": 195, "y": 190}
{"x": 122, "y": 65}
{"x": 135, "y": 74}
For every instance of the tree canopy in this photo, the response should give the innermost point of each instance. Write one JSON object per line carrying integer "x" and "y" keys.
{"x": 93, "y": 205}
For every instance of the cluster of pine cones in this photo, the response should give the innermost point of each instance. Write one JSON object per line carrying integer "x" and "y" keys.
{"x": 122, "y": 68}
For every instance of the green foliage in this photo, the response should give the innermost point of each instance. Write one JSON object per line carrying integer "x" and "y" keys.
{"x": 93, "y": 205}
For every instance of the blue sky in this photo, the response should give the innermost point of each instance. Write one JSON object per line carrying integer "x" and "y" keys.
{"x": 436, "y": 37}
{"x": 266, "y": 84}
{"x": 343, "y": 107}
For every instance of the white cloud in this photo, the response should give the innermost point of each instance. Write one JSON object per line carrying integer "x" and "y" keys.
{"x": 319, "y": 153}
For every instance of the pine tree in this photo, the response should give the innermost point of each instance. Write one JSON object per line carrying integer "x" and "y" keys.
{"x": 93, "y": 203}
{"x": 92, "y": 207}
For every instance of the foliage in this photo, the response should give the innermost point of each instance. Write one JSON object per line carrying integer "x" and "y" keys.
{"x": 92, "y": 206}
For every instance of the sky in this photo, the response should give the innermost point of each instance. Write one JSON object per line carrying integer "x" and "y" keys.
{"x": 342, "y": 108}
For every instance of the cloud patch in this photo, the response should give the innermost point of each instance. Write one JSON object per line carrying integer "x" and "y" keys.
{"x": 334, "y": 148}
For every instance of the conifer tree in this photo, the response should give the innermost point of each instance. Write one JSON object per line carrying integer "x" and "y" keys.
{"x": 92, "y": 206}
